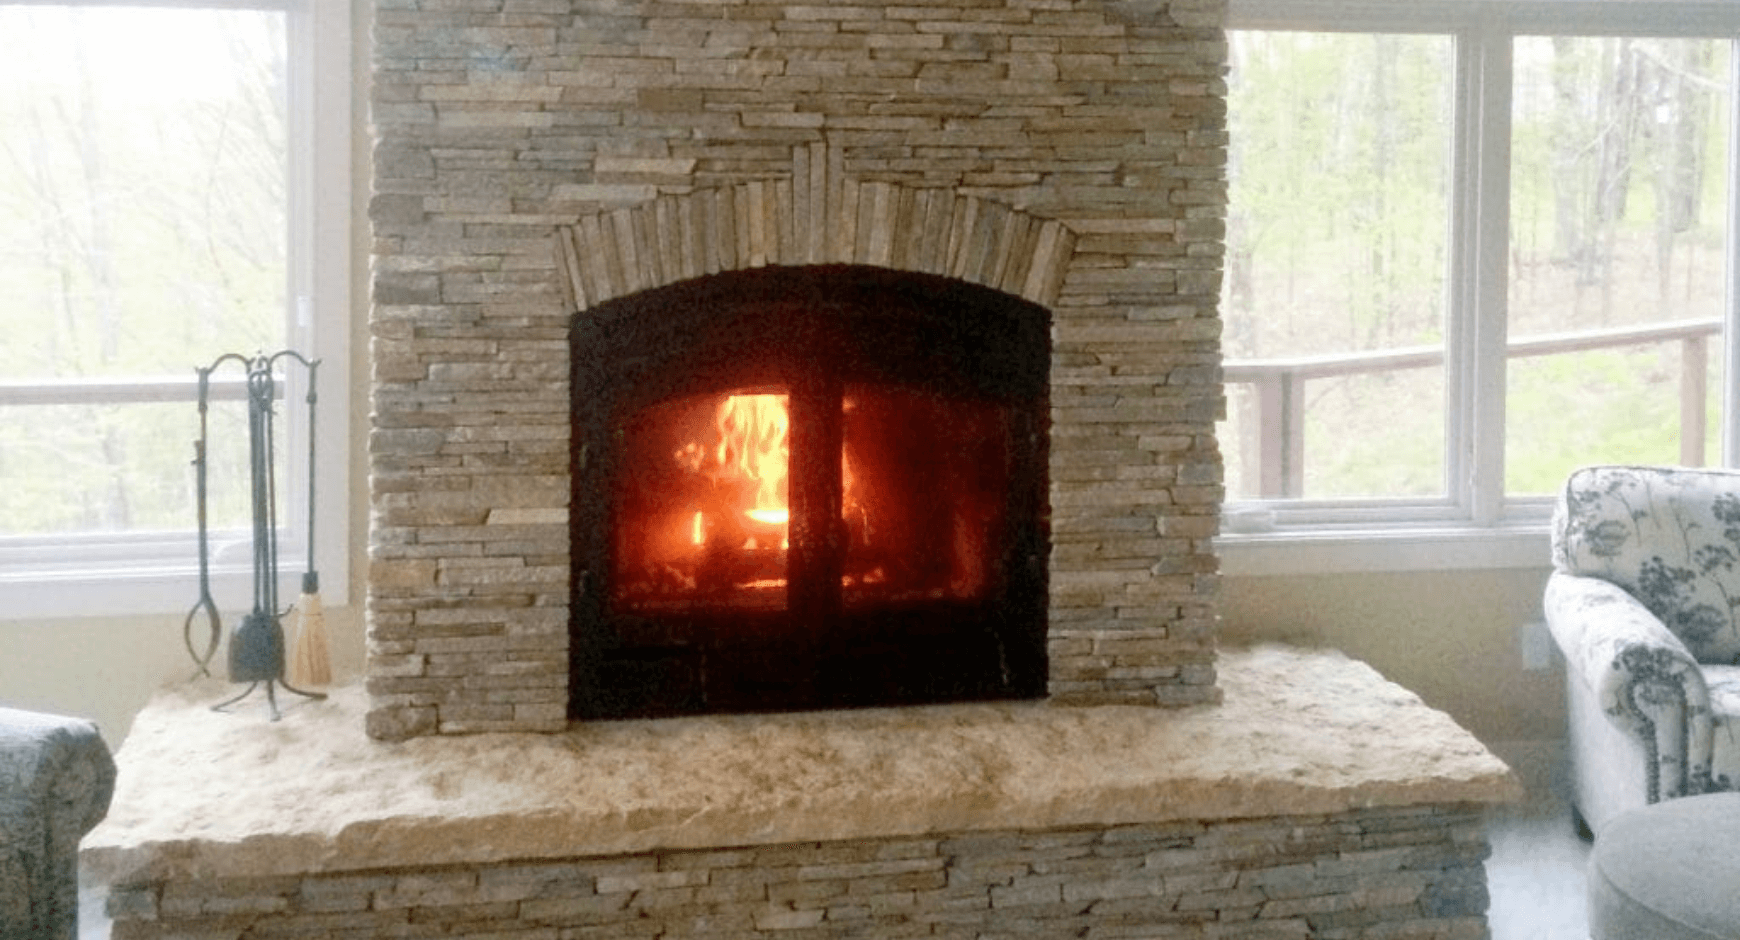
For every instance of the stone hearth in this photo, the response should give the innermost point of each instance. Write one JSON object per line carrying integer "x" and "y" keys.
{"x": 1318, "y": 799}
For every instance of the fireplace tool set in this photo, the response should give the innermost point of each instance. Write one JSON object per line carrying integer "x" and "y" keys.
{"x": 256, "y": 645}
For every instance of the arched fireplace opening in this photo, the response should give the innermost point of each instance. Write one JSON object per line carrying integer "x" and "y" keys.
{"x": 808, "y": 487}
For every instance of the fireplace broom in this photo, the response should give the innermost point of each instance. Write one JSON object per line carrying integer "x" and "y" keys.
{"x": 310, "y": 662}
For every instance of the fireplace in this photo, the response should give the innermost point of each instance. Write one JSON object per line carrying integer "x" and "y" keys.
{"x": 803, "y": 487}
{"x": 1022, "y": 201}
{"x": 969, "y": 252}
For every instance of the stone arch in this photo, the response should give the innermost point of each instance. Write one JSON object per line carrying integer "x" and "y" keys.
{"x": 818, "y": 215}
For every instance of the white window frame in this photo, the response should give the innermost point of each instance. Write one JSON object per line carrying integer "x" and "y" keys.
{"x": 1475, "y": 525}
{"x": 153, "y": 573}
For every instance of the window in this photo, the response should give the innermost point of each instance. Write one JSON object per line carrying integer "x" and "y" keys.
{"x": 162, "y": 174}
{"x": 1470, "y": 246}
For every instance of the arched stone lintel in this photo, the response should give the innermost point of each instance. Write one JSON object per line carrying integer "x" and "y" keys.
{"x": 816, "y": 216}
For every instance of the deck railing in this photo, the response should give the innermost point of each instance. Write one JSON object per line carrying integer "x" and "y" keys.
{"x": 1280, "y": 389}
{"x": 1279, "y": 385}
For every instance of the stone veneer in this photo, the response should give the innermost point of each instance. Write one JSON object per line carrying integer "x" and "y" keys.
{"x": 1069, "y": 151}
{"x": 1379, "y": 873}
{"x": 1318, "y": 800}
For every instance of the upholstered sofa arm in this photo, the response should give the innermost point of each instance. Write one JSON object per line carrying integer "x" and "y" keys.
{"x": 56, "y": 778}
{"x": 1644, "y": 678}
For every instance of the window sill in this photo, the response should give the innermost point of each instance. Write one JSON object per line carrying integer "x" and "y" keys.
{"x": 140, "y": 576}
{"x": 136, "y": 593}
{"x": 1376, "y": 549}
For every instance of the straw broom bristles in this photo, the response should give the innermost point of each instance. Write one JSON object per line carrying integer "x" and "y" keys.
{"x": 310, "y": 662}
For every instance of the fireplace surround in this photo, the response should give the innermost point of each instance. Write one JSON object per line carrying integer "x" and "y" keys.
{"x": 1067, "y": 155}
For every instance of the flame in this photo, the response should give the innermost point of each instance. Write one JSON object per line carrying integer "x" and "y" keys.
{"x": 755, "y": 442}
{"x": 753, "y": 448}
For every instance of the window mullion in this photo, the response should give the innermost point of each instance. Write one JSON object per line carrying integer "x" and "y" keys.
{"x": 1488, "y": 87}
{"x": 1459, "y": 450}
{"x": 320, "y": 266}
{"x": 1730, "y": 456}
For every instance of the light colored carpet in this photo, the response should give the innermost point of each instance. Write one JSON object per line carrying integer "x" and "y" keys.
{"x": 1535, "y": 873}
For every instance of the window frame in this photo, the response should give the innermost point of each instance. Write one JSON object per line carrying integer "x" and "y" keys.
{"x": 1474, "y": 525}
{"x": 79, "y": 575}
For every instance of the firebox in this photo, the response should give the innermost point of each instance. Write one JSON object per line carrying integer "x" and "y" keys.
{"x": 808, "y": 487}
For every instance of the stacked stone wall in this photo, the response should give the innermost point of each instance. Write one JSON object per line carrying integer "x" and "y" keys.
{"x": 502, "y": 122}
{"x": 1402, "y": 872}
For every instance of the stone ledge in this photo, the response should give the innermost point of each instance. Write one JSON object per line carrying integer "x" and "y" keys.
{"x": 203, "y": 795}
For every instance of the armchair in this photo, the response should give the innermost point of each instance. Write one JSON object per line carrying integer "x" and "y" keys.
{"x": 1644, "y": 601}
{"x": 56, "y": 778}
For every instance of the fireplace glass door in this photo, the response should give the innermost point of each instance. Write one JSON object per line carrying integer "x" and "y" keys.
{"x": 808, "y": 488}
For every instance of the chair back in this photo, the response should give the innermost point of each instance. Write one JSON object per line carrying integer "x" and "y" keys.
{"x": 1670, "y": 537}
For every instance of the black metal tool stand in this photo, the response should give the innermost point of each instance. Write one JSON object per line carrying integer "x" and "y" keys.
{"x": 256, "y": 648}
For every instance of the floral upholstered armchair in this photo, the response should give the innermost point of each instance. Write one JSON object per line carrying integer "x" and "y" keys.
{"x": 1644, "y": 601}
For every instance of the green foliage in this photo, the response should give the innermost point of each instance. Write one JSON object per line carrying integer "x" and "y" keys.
{"x": 1340, "y": 208}
{"x": 142, "y": 233}
{"x": 1354, "y": 451}
{"x": 1620, "y": 405}
{"x": 1338, "y": 221}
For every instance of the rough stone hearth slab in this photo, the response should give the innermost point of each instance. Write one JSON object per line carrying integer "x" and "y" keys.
{"x": 203, "y": 795}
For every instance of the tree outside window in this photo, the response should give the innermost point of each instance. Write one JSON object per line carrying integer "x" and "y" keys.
{"x": 143, "y": 233}
{"x": 1618, "y": 215}
{"x": 1365, "y": 169}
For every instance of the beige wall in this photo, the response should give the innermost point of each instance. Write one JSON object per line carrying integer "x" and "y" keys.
{"x": 1451, "y": 637}
{"x": 107, "y": 669}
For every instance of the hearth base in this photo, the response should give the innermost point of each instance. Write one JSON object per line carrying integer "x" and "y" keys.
{"x": 1318, "y": 800}
{"x": 1413, "y": 872}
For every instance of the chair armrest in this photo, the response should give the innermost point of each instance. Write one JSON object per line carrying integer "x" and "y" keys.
{"x": 1643, "y": 676}
{"x": 56, "y": 780}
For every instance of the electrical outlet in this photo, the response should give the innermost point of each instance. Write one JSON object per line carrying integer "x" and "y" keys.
{"x": 1537, "y": 646}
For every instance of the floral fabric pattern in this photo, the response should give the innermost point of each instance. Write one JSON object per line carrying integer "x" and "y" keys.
{"x": 1644, "y": 601}
{"x": 1670, "y": 537}
{"x": 1724, "y": 684}
{"x": 1644, "y": 679}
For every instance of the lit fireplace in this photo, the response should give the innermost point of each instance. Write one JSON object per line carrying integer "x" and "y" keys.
{"x": 808, "y": 487}
{"x": 674, "y": 156}
{"x": 794, "y": 237}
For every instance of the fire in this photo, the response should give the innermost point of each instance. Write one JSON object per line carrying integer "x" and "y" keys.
{"x": 755, "y": 443}
{"x": 751, "y": 459}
